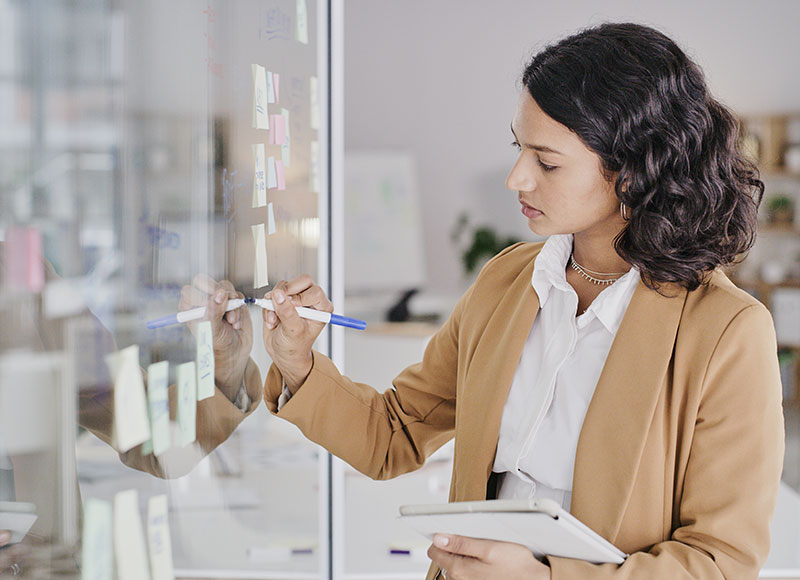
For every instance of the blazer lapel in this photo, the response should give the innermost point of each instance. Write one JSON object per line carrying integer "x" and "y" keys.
{"x": 486, "y": 385}
{"x": 618, "y": 419}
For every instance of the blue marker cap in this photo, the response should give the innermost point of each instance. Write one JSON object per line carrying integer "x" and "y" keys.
{"x": 163, "y": 321}
{"x": 348, "y": 322}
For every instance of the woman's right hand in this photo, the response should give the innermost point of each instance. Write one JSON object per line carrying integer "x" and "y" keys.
{"x": 289, "y": 338}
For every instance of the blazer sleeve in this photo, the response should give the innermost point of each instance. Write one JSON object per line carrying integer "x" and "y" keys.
{"x": 382, "y": 435}
{"x": 733, "y": 470}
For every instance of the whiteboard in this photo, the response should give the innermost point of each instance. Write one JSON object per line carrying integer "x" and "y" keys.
{"x": 383, "y": 222}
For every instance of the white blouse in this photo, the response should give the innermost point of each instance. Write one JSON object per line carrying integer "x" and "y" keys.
{"x": 555, "y": 379}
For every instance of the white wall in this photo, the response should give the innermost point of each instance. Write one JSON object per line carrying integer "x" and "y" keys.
{"x": 440, "y": 78}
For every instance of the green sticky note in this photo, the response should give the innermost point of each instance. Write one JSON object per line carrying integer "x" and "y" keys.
{"x": 129, "y": 545}
{"x": 187, "y": 403}
{"x": 158, "y": 406}
{"x": 205, "y": 360}
{"x": 97, "y": 562}
{"x": 302, "y": 21}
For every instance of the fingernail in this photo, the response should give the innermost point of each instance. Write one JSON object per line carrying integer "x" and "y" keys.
{"x": 219, "y": 297}
{"x": 279, "y": 297}
{"x": 441, "y": 540}
{"x": 5, "y": 537}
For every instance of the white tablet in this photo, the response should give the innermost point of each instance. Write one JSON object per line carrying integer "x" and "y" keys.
{"x": 17, "y": 517}
{"x": 541, "y": 525}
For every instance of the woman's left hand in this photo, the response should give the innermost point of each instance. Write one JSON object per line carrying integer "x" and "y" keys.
{"x": 472, "y": 559}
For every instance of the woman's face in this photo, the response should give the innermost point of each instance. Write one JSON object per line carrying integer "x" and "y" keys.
{"x": 559, "y": 180}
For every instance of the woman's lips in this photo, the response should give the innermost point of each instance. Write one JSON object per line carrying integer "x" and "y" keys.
{"x": 530, "y": 212}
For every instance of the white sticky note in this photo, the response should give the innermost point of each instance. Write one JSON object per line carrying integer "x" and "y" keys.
{"x": 314, "y": 176}
{"x": 314, "y": 92}
{"x": 270, "y": 88}
{"x": 131, "y": 423}
{"x": 205, "y": 360}
{"x": 302, "y": 21}
{"x": 129, "y": 545}
{"x": 187, "y": 403}
{"x": 276, "y": 85}
{"x": 270, "y": 220}
{"x": 259, "y": 177}
{"x": 97, "y": 562}
{"x": 158, "y": 399}
{"x": 272, "y": 174}
{"x": 260, "y": 110}
{"x": 63, "y": 297}
{"x": 260, "y": 275}
{"x": 285, "y": 150}
{"x": 158, "y": 538}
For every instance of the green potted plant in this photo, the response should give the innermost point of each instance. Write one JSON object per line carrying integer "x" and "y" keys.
{"x": 780, "y": 209}
{"x": 483, "y": 243}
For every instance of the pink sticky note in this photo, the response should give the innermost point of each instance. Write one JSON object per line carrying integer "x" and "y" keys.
{"x": 24, "y": 260}
{"x": 277, "y": 130}
{"x": 280, "y": 173}
{"x": 275, "y": 79}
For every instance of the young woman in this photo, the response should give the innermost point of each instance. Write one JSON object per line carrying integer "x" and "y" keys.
{"x": 613, "y": 368}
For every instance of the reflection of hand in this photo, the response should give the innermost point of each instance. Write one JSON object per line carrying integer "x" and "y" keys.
{"x": 289, "y": 338}
{"x": 472, "y": 559}
{"x": 11, "y": 557}
{"x": 232, "y": 332}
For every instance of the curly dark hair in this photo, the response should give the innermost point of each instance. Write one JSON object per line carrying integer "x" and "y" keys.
{"x": 642, "y": 105}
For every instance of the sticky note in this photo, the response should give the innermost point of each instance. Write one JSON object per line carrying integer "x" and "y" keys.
{"x": 272, "y": 175}
{"x": 270, "y": 88}
{"x": 187, "y": 403}
{"x": 24, "y": 263}
{"x": 129, "y": 546}
{"x": 97, "y": 562}
{"x": 277, "y": 130}
{"x": 131, "y": 424}
{"x": 314, "y": 92}
{"x": 158, "y": 538}
{"x": 260, "y": 277}
{"x": 314, "y": 176}
{"x": 63, "y": 297}
{"x": 270, "y": 220}
{"x": 205, "y": 360}
{"x": 260, "y": 110}
{"x": 275, "y": 85}
{"x": 302, "y": 21}
{"x": 285, "y": 150}
{"x": 158, "y": 399}
{"x": 280, "y": 174}
{"x": 259, "y": 177}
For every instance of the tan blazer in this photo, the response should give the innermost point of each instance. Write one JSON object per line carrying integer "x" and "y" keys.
{"x": 680, "y": 455}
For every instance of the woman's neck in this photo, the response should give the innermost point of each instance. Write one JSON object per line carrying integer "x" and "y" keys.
{"x": 598, "y": 254}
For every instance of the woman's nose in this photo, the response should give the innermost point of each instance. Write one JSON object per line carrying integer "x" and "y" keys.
{"x": 520, "y": 178}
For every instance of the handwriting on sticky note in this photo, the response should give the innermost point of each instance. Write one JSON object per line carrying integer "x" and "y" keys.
{"x": 158, "y": 399}
{"x": 259, "y": 177}
{"x": 158, "y": 539}
{"x": 205, "y": 360}
{"x": 129, "y": 545}
{"x": 187, "y": 403}
{"x": 131, "y": 424}
{"x": 260, "y": 274}
{"x": 260, "y": 110}
{"x": 97, "y": 562}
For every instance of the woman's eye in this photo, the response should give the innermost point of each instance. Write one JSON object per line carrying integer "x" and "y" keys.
{"x": 547, "y": 167}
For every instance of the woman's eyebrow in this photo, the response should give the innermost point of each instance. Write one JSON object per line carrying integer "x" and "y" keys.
{"x": 533, "y": 146}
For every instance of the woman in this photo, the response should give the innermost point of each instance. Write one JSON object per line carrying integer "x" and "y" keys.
{"x": 613, "y": 368}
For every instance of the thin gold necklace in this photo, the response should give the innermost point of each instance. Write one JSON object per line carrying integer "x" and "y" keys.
{"x": 585, "y": 273}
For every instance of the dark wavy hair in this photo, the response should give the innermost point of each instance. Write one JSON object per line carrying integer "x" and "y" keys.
{"x": 642, "y": 105}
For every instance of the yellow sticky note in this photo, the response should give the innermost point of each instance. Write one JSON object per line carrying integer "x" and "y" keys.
{"x": 158, "y": 538}
{"x": 97, "y": 562}
{"x": 314, "y": 92}
{"x": 158, "y": 404}
{"x": 260, "y": 275}
{"x": 205, "y": 360}
{"x": 302, "y": 21}
{"x": 131, "y": 424}
{"x": 129, "y": 546}
{"x": 187, "y": 403}
{"x": 260, "y": 111}
{"x": 259, "y": 176}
